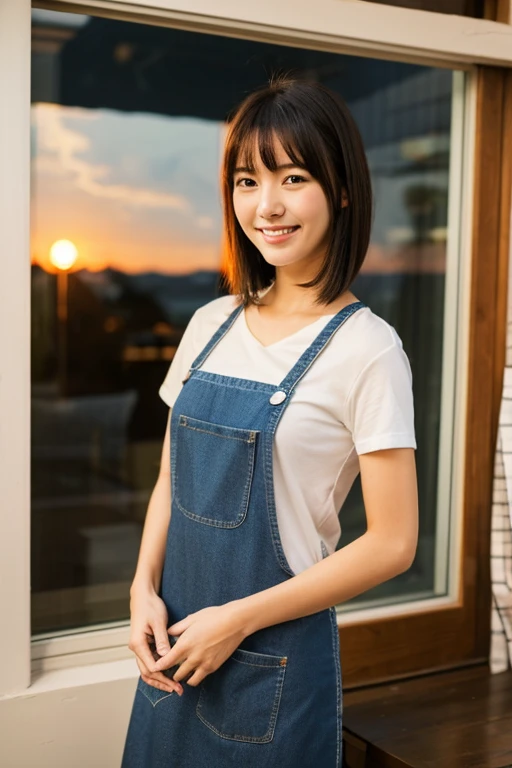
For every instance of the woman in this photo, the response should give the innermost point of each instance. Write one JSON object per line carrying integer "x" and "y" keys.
{"x": 280, "y": 394}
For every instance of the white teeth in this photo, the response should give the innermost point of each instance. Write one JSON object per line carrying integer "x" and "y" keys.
{"x": 277, "y": 232}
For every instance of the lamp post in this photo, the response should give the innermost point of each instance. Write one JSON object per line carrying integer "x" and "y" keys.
{"x": 63, "y": 254}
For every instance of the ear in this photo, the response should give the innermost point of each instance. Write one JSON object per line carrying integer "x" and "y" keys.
{"x": 344, "y": 198}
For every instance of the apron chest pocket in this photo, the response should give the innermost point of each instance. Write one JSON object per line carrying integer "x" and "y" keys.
{"x": 240, "y": 701}
{"x": 213, "y": 471}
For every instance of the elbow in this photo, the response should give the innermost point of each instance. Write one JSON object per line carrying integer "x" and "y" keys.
{"x": 404, "y": 556}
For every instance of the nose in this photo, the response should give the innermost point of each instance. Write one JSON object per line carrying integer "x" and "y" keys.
{"x": 270, "y": 204}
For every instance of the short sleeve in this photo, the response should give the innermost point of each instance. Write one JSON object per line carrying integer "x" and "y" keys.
{"x": 180, "y": 365}
{"x": 380, "y": 407}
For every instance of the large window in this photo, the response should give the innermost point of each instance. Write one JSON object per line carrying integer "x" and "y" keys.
{"x": 127, "y": 126}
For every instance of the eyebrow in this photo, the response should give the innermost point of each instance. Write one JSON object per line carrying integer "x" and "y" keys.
{"x": 284, "y": 166}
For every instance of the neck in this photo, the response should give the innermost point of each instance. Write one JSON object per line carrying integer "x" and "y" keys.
{"x": 286, "y": 297}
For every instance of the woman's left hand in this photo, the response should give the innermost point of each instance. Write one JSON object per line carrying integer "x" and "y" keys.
{"x": 205, "y": 640}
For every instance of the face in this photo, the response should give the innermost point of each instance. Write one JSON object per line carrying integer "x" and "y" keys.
{"x": 285, "y": 213}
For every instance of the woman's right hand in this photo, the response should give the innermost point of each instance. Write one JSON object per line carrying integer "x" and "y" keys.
{"x": 148, "y": 624}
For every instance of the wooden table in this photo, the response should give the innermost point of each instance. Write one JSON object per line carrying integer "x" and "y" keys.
{"x": 459, "y": 719}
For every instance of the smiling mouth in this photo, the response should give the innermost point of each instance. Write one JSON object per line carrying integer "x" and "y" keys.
{"x": 278, "y": 232}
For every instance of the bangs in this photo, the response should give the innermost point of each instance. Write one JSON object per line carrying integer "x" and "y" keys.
{"x": 257, "y": 135}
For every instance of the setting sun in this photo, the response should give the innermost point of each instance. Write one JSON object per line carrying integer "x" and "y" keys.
{"x": 63, "y": 254}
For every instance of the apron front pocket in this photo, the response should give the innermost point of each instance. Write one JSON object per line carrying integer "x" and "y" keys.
{"x": 214, "y": 469}
{"x": 240, "y": 701}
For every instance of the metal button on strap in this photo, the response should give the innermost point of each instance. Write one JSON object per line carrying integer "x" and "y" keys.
{"x": 278, "y": 397}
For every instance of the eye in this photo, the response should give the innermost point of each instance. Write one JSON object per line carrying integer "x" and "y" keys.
{"x": 245, "y": 182}
{"x": 295, "y": 179}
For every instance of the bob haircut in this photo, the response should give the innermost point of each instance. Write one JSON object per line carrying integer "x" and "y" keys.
{"x": 317, "y": 131}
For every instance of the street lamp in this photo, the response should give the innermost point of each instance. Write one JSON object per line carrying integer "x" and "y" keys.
{"x": 63, "y": 254}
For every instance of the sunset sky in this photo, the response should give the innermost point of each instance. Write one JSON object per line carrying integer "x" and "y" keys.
{"x": 137, "y": 192}
{"x": 140, "y": 192}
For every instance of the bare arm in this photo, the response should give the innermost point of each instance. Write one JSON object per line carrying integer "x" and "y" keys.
{"x": 386, "y": 549}
{"x": 148, "y": 611}
{"x": 152, "y": 549}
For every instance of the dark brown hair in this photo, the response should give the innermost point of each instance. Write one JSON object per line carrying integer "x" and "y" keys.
{"x": 319, "y": 134}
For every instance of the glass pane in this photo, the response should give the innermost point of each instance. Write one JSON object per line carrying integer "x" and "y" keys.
{"x": 127, "y": 127}
{"x": 458, "y": 7}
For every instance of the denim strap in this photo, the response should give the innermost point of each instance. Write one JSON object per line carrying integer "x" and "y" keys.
{"x": 308, "y": 357}
{"x": 305, "y": 361}
{"x": 217, "y": 336}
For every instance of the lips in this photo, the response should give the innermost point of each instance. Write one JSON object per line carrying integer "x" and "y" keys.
{"x": 277, "y": 235}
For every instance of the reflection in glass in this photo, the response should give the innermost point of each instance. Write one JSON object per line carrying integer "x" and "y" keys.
{"x": 127, "y": 127}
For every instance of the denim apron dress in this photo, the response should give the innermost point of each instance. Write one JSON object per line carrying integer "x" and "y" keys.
{"x": 276, "y": 701}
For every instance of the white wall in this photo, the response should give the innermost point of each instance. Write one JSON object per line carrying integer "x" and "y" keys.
{"x": 76, "y": 726}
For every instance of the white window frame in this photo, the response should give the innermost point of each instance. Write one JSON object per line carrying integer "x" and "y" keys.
{"x": 367, "y": 30}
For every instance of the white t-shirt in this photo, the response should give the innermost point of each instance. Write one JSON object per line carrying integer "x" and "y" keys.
{"x": 355, "y": 398}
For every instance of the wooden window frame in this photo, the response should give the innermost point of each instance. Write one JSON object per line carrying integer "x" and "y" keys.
{"x": 493, "y": 10}
{"x": 435, "y": 638}
{"x": 458, "y": 635}
{"x": 498, "y": 10}
{"x": 477, "y": 8}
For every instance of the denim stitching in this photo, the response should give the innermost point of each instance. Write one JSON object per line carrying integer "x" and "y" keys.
{"x": 185, "y": 422}
{"x": 210, "y": 521}
{"x": 269, "y": 735}
{"x": 277, "y": 702}
{"x": 234, "y": 382}
{"x": 272, "y": 661}
{"x": 263, "y": 666}
{"x": 144, "y": 693}
{"x": 268, "y": 478}
{"x": 218, "y": 434}
{"x": 242, "y": 514}
{"x": 267, "y": 659}
{"x": 339, "y": 691}
{"x": 173, "y": 442}
{"x": 189, "y": 421}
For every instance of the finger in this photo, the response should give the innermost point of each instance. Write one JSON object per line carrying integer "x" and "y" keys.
{"x": 159, "y": 680}
{"x": 169, "y": 660}
{"x": 185, "y": 669}
{"x": 162, "y": 642}
{"x": 164, "y": 684}
{"x": 180, "y": 626}
{"x": 198, "y": 677}
{"x": 141, "y": 649}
